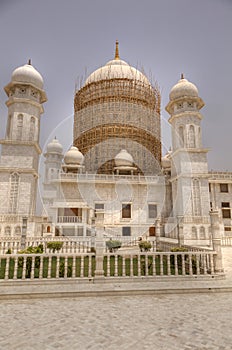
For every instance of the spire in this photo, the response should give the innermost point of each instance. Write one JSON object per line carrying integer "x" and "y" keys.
{"x": 116, "y": 57}
{"x": 29, "y": 61}
{"x": 182, "y": 76}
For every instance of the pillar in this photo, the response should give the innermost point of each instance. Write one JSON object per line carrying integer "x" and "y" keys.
{"x": 100, "y": 247}
{"x": 24, "y": 233}
{"x": 180, "y": 230}
{"x": 216, "y": 240}
{"x": 157, "y": 233}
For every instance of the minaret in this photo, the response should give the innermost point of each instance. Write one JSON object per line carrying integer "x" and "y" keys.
{"x": 54, "y": 156}
{"x": 189, "y": 167}
{"x": 53, "y": 160}
{"x": 20, "y": 148}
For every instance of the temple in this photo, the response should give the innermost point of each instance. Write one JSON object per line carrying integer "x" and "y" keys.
{"x": 114, "y": 179}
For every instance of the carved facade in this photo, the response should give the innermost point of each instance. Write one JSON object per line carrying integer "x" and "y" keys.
{"x": 113, "y": 179}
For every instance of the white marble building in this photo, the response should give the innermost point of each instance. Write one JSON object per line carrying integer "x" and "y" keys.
{"x": 113, "y": 179}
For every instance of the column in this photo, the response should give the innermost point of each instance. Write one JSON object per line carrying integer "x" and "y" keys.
{"x": 216, "y": 240}
{"x": 180, "y": 230}
{"x": 157, "y": 232}
{"x": 99, "y": 244}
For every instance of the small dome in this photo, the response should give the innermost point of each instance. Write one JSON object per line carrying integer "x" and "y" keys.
{"x": 123, "y": 158}
{"x": 73, "y": 156}
{"x": 183, "y": 88}
{"x": 29, "y": 75}
{"x": 166, "y": 161}
{"x": 54, "y": 147}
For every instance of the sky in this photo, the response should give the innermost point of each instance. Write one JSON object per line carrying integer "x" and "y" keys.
{"x": 67, "y": 40}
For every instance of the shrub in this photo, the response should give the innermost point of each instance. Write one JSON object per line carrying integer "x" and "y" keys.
{"x": 113, "y": 245}
{"x": 54, "y": 246}
{"x": 143, "y": 265}
{"x": 186, "y": 259}
{"x": 144, "y": 246}
{"x": 179, "y": 249}
{"x": 30, "y": 250}
{"x": 179, "y": 258}
{"x": 62, "y": 267}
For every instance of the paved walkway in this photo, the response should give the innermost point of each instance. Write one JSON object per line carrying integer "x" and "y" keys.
{"x": 168, "y": 322}
{"x": 196, "y": 321}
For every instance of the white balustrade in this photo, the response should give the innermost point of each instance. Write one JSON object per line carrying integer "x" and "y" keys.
{"x": 226, "y": 241}
{"x": 119, "y": 264}
{"x": 69, "y": 219}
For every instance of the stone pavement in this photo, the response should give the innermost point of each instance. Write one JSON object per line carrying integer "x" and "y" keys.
{"x": 159, "y": 322}
{"x": 196, "y": 321}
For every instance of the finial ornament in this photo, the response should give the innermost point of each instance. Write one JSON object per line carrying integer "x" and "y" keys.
{"x": 29, "y": 61}
{"x": 116, "y": 57}
{"x": 182, "y": 76}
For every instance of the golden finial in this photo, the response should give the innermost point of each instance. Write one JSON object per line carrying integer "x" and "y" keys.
{"x": 116, "y": 57}
{"x": 182, "y": 76}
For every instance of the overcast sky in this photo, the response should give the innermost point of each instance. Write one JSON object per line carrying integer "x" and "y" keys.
{"x": 67, "y": 40}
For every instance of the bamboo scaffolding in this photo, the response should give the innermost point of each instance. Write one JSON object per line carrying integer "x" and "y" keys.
{"x": 116, "y": 113}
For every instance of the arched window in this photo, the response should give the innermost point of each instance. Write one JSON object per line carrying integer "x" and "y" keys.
{"x": 194, "y": 232}
{"x": 8, "y": 126}
{"x": 14, "y": 191}
{"x": 7, "y": 231}
{"x": 199, "y": 136}
{"x": 181, "y": 136}
{"x": 196, "y": 199}
{"x": 192, "y": 141}
{"x": 202, "y": 232}
{"x": 19, "y": 127}
{"x": 32, "y": 129}
{"x": 18, "y": 230}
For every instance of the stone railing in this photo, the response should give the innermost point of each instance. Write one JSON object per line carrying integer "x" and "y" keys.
{"x": 46, "y": 266}
{"x": 167, "y": 245}
{"x": 109, "y": 178}
{"x": 218, "y": 175}
{"x": 195, "y": 219}
{"x": 159, "y": 264}
{"x": 126, "y": 241}
{"x": 83, "y": 244}
{"x": 77, "y": 245}
{"x": 11, "y": 218}
{"x": 107, "y": 265}
{"x": 69, "y": 219}
{"x": 226, "y": 241}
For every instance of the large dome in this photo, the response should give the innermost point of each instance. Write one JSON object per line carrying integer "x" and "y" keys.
{"x": 29, "y": 75}
{"x": 117, "y": 69}
{"x": 117, "y": 108}
{"x": 183, "y": 88}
